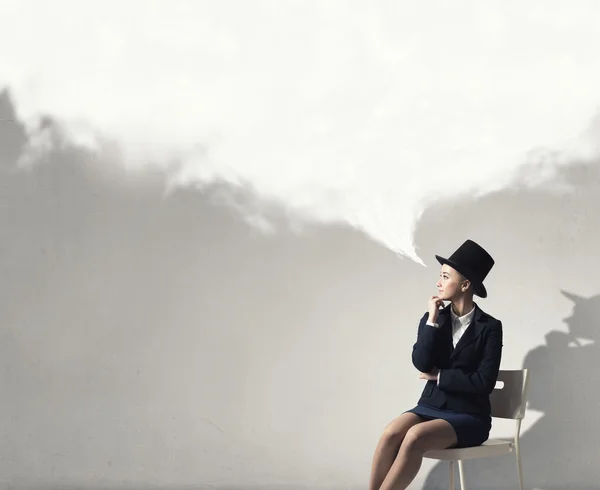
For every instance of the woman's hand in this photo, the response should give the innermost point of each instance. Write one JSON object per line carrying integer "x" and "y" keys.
{"x": 434, "y": 305}
{"x": 430, "y": 376}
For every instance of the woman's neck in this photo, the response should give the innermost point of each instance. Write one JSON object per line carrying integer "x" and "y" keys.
{"x": 462, "y": 306}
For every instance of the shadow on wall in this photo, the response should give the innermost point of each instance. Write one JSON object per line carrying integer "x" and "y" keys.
{"x": 170, "y": 343}
{"x": 560, "y": 450}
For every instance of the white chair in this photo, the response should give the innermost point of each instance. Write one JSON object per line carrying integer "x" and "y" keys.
{"x": 508, "y": 402}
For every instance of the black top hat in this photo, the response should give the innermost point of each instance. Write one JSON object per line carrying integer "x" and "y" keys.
{"x": 473, "y": 262}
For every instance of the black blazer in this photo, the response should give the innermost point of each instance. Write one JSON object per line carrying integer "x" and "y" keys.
{"x": 469, "y": 371}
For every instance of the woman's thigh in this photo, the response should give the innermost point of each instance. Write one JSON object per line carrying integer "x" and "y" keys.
{"x": 430, "y": 435}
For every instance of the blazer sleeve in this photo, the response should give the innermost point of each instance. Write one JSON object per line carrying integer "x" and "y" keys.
{"x": 425, "y": 349}
{"x": 483, "y": 380}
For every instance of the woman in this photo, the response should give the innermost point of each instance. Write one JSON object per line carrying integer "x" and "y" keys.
{"x": 458, "y": 352}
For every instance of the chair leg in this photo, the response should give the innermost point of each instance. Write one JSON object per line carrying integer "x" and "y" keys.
{"x": 461, "y": 472}
{"x": 451, "y": 486}
{"x": 519, "y": 466}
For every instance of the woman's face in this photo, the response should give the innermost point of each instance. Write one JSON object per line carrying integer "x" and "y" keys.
{"x": 450, "y": 283}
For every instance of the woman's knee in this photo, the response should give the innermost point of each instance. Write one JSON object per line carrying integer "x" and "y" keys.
{"x": 414, "y": 440}
{"x": 396, "y": 430}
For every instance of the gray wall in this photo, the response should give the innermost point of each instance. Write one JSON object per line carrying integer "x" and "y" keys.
{"x": 152, "y": 340}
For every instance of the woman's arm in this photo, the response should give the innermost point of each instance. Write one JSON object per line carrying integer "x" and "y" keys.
{"x": 483, "y": 380}
{"x": 425, "y": 349}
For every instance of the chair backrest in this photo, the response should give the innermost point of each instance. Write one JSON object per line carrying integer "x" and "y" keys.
{"x": 510, "y": 400}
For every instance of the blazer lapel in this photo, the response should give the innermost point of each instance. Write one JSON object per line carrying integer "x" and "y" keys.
{"x": 444, "y": 321}
{"x": 471, "y": 333}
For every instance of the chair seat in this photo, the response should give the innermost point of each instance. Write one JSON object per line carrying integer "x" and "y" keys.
{"x": 491, "y": 447}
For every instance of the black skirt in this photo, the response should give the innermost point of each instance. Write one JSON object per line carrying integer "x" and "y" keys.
{"x": 471, "y": 429}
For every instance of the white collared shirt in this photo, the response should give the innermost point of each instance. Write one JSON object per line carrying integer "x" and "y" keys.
{"x": 460, "y": 324}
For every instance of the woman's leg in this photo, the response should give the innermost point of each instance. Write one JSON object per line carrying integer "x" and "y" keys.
{"x": 388, "y": 447}
{"x": 435, "y": 434}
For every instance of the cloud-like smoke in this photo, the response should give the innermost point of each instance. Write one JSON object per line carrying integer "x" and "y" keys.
{"x": 338, "y": 111}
